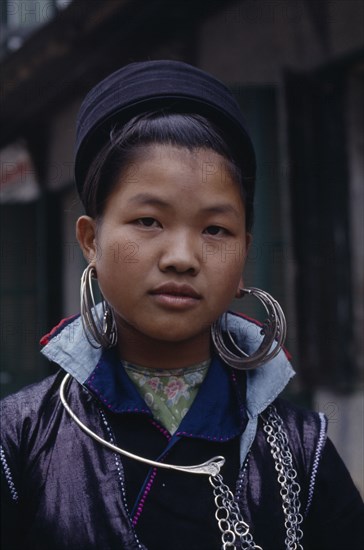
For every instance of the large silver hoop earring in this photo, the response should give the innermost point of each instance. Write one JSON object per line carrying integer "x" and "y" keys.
{"x": 100, "y": 331}
{"x": 273, "y": 331}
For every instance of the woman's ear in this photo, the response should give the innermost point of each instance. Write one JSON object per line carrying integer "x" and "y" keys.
{"x": 86, "y": 236}
{"x": 248, "y": 241}
{"x": 240, "y": 285}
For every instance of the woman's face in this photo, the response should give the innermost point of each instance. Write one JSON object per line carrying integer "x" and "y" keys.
{"x": 170, "y": 248}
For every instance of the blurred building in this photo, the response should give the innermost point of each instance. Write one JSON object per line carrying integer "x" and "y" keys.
{"x": 297, "y": 69}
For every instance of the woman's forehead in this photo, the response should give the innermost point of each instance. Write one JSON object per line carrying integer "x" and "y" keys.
{"x": 182, "y": 158}
{"x": 160, "y": 175}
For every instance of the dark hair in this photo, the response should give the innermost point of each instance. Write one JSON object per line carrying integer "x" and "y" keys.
{"x": 182, "y": 130}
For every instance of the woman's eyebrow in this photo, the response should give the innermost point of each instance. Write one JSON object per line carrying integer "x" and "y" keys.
{"x": 147, "y": 198}
{"x": 222, "y": 209}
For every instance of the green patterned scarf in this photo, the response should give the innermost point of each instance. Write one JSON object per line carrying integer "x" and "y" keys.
{"x": 168, "y": 393}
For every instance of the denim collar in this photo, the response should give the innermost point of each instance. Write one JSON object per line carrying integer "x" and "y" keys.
{"x": 67, "y": 346}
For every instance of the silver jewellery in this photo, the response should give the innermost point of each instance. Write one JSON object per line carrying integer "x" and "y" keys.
{"x": 235, "y": 532}
{"x": 273, "y": 330}
{"x": 287, "y": 478}
{"x": 100, "y": 332}
{"x": 229, "y": 519}
{"x": 211, "y": 467}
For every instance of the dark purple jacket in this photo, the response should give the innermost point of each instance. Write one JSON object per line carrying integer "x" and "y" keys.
{"x": 62, "y": 490}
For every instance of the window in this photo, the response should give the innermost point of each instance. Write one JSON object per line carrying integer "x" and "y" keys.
{"x": 20, "y": 18}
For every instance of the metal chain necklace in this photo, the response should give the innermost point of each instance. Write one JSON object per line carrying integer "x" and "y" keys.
{"x": 230, "y": 521}
{"x": 235, "y": 532}
{"x": 229, "y": 518}
{"x": 287, "y": 478}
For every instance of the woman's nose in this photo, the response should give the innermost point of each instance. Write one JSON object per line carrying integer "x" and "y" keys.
{"x": 180, "y": 253}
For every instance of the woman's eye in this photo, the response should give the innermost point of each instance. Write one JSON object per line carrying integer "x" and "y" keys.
{"x": 215, "y": 230}
{"x": 147, "y": 222}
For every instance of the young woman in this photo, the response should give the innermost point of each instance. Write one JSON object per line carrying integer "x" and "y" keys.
{"x": 163, "y": 428}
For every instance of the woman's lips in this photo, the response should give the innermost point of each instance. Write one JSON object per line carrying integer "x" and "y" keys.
{"x": 174, "y": 295}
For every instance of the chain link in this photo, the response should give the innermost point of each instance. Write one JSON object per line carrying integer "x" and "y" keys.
{"x": 234, "y": 530}
{"x": 287, "y": 478}
{"x": 229, "y": 518}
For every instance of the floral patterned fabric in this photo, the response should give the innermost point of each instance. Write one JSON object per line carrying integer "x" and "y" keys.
{"x": 168, "y": 393}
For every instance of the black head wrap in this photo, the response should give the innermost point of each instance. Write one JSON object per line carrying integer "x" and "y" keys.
{"x": 152, "y": 85}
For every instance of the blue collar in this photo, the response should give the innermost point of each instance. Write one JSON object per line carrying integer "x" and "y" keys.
{"x": 216, "y": 414}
